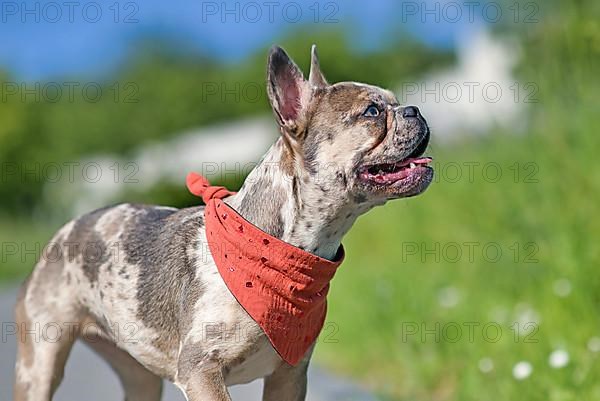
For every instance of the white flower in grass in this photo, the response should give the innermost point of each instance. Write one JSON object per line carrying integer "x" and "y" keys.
{"x": 562, "y": 287}
{"x": 522, "y": 370}
{"x": 527, "y": 318}
{"x": 594, "y": 344}
{"x": 486, "y": 365}
{"x": 558, "y": 359}
{"x": 500, "y": 314}
{"x": 448, "y": 297}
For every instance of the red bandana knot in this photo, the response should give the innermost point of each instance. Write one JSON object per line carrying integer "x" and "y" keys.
{"x": 199, "y": 186}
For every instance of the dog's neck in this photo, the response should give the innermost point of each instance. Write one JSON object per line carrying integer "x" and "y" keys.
{"x": 305, "y": 211}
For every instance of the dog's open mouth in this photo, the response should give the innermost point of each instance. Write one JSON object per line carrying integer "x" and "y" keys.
{"x": 407, "y": 177}
{"x": 389, "y": 173}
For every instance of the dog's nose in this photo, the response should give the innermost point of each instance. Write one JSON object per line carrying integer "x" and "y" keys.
{"x": 410, "y": 111}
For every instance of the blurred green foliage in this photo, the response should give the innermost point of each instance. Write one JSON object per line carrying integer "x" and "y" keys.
{"x": 158, "y": 95}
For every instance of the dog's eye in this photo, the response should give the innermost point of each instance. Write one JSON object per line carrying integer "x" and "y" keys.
{"x": 371, "y": 111}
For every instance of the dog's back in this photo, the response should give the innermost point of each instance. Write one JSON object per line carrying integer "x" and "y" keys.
{"x": 116, "y": 274}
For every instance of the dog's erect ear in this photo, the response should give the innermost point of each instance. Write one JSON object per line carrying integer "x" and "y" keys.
{"x": 316, "y": 78}
{"x": 289, "y": 93}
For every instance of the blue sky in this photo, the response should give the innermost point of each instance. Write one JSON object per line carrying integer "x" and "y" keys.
{"x": 53, "y": 39}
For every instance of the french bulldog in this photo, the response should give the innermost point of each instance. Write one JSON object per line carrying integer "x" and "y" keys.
{"x": 137, "y": 284}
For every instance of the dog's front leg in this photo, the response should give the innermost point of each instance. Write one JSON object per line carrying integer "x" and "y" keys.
{"x": 206, "y": 384}
{"x": 286, "y": 383}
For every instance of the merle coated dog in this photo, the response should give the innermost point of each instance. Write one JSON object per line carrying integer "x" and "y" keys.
{"x": 141, "y": 301}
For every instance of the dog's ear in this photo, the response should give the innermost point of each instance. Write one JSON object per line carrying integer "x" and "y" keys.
{"x": 316, "y": 78}
{"x": 289, "y": 93}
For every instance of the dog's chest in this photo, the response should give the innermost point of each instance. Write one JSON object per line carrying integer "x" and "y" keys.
{"x": 261, "y": 362}
{"x": 221, "y": 326}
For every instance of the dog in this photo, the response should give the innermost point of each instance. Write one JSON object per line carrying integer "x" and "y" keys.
{"x": 141, "y": 297}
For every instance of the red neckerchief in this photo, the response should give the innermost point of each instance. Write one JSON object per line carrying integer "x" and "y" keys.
{"x": 282, "y": 287}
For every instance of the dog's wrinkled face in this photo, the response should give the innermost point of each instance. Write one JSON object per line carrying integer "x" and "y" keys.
{"x": 350, "y": 137}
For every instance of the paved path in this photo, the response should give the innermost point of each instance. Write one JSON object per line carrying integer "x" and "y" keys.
{"x": 89, "y": 377}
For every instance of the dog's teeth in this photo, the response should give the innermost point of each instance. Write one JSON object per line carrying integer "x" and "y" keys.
{"x": 413, "y": 165}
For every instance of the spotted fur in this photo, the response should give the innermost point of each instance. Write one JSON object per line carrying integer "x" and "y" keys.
{"x": 139, "y": 285}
